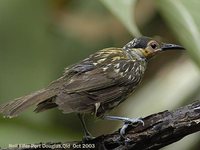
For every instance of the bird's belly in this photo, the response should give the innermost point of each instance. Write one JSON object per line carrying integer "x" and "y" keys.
{"x": 96, "y": 102}
{"x": 107, "y": 106}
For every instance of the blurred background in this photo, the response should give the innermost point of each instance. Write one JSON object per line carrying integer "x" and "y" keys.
{"x": 38, "y": 39}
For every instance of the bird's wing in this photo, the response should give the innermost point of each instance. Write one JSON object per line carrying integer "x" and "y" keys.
{"x": 98, "y": 71}
{"x": 97, "y": 82}
{"x": 90, "y": 81}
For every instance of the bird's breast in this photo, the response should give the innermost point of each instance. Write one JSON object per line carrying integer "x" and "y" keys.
{"x": 131, "y": 71}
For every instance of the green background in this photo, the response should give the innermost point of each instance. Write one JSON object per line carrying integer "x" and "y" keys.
{"x": 38, "y": 39}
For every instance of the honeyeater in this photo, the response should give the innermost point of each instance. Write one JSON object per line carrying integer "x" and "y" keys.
{"x": 96, "y": 84}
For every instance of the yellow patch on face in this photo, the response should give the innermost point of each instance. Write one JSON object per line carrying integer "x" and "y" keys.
{"x": 151, "y": 49}
{"x": 147, "y": 52}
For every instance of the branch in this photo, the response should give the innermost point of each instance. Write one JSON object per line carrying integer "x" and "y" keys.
{"x": 160, "y": 129}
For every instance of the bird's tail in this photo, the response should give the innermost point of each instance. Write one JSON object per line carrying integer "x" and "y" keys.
{"x": 14, "y": 108}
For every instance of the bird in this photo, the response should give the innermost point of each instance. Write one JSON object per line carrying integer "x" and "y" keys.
{"x": 96, "y": 84}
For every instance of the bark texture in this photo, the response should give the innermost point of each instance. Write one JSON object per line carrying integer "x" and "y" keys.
{"x": 159, "y": 130}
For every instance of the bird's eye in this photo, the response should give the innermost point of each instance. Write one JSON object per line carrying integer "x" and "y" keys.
{"x": 154, "y": 45}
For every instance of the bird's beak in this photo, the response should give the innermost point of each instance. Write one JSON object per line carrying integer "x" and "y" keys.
{"x": 165, "y": 47}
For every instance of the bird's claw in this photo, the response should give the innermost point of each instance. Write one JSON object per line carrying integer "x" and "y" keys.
{"x": 129, "y": 122}
{"x": 132, "y": 121}
{"x": 87, "y": 138}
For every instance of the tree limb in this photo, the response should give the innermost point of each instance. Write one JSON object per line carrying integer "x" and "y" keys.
{"x": 159, "y": 130}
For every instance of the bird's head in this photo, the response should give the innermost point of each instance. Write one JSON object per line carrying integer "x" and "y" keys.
{"x": 146, "y": 47}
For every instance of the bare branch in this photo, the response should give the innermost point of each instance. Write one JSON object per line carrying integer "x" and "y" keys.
{"x": 160, "y": 129}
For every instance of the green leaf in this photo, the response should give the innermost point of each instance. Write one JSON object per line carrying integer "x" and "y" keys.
{"x": 124, "y": 10}
{"x": 183, "y": 17}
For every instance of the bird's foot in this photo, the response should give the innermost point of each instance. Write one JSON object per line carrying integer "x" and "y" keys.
{"x": 127, "y": 122}
{"x": 87, "y": 138}
{"x": 87, "y": 135}
{"x": 130, "y": 122}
